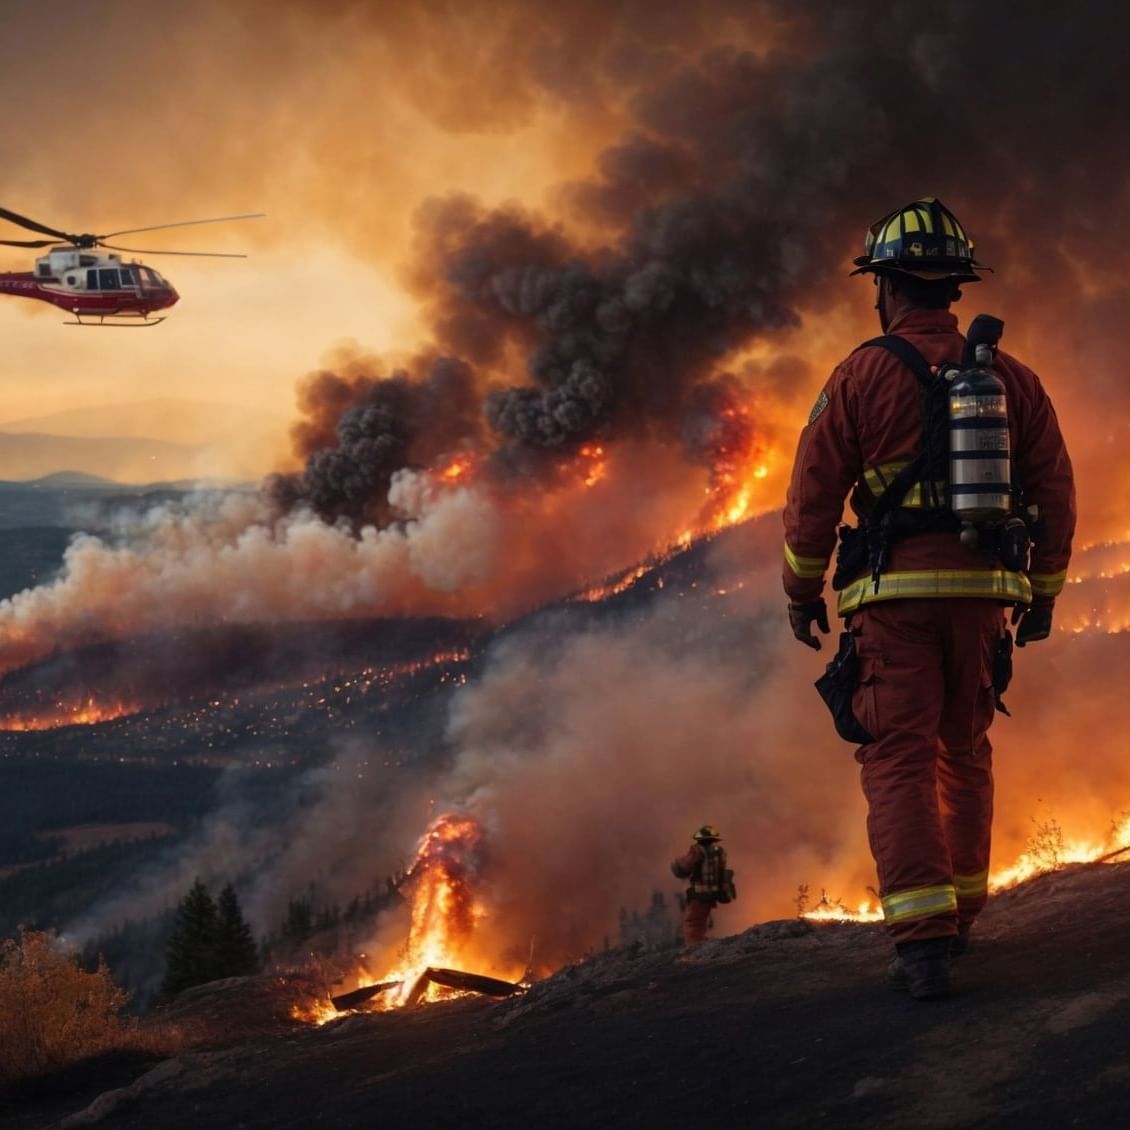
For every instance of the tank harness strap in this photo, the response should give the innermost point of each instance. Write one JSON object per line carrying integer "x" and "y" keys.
{"x": 880, "y": 519}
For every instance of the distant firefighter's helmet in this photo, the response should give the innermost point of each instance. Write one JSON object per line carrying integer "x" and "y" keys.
{"x": 924, "y": 239}
{"x": 706, "y": 833}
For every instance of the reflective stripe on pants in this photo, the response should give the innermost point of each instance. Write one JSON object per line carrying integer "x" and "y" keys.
{"x": 925, "y": 693}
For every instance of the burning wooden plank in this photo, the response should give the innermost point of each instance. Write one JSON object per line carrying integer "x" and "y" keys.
{"x": 359, "y": 996}
{"x": 460, "y": 981}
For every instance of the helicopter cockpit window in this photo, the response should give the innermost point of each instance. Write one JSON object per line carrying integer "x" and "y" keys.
{"x": 108, "y": 279}
{"x": 151, "y": 277}
{"x": 127, "y": 277}
{"x": 91, "y": 280}
{"x": 43, "y": 270}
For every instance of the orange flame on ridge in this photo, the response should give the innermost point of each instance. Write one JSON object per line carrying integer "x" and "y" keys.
{"x": 1048, "y": 850}
{"x": 88, "y": 712}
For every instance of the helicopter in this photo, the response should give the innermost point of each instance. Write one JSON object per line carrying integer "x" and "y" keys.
{"x": 97, "y": 288}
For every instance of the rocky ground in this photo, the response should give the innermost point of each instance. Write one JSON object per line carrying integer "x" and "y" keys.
{"x": 785, "y": 1025}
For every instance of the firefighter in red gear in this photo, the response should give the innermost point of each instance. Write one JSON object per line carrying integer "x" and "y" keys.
{"x": 704, "y": 864}
{"x": 925, "y": 613}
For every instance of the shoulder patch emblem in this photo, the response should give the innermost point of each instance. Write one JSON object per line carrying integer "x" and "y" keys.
{"x": 818, "y": 407}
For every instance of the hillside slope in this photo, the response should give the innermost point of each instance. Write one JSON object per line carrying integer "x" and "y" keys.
{"x": 785, "y": 1025}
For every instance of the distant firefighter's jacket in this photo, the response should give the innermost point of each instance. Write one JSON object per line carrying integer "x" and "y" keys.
{"x": 705, "y": 866}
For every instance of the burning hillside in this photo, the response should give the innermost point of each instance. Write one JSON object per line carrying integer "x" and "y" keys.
{"x": 608, "y": 367}
{"x": 176, "y": 668}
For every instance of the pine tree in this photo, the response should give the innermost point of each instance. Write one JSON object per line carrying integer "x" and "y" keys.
{"x": 299, "y": 924}
{"x": 235, "y": 949}
{"x": 190, "y": 952}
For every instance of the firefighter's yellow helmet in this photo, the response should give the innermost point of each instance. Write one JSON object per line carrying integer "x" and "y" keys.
{"x": 707, "y": 832}
{"x": 924, "y": 239}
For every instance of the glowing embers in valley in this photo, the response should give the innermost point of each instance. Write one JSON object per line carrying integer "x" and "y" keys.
{"x": 332, "y": 696}
{"x": 84, "y": 712}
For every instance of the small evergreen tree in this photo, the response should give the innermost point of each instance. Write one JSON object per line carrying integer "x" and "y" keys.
{"x": 236, "y": 952}
{"x": 190, "y": 952}
{"x": 299, "y": 924}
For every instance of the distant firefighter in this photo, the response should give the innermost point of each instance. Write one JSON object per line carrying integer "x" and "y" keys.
{"x": 704, "y": 864}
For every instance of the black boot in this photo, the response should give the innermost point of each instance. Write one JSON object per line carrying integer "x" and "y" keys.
{"x": 922, "y": 968}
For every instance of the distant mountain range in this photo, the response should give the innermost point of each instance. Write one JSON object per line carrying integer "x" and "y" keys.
{"x": 173, "y": 420}
{"x": 117, "y": 442}
{"x": 126, "y": 460}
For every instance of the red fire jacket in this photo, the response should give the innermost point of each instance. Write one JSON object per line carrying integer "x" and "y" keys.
{"x": 866, "y": 424}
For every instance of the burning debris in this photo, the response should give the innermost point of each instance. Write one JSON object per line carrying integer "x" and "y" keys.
{"x": 442, "y": 885}
{"x": 456, "y": 979}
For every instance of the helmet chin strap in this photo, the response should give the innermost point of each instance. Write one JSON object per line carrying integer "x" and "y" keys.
{"x": 881, "y": 303}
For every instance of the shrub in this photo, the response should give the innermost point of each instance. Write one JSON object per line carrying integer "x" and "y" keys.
{"x": 52, "y": 1012}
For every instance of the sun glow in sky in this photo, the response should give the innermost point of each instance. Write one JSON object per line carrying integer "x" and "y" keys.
{"x": 331, "y": 126}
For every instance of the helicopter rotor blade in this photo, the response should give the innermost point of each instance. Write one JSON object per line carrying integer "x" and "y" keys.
{"x": 30, "y": 242}
{"x": 200, "y": 254}
{"x": 31, "y": 225}
{"x": 182, "y": 224}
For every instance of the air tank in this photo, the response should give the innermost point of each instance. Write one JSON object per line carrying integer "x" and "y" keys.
{"x": 980, "y": 478}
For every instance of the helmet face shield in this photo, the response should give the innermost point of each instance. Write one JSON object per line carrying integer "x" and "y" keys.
{"x": 923, "y": 238}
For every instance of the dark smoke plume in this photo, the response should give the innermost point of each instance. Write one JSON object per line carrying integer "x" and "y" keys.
{"x": 728, "y": 209}
{"x": 360, "y": 430}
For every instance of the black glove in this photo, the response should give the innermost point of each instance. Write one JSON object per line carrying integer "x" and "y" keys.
{"x": 801, "y": 617}
{"x": 1035, "y": 623}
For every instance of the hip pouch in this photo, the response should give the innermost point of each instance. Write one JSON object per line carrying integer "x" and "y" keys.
{"x": 837, "y": 686}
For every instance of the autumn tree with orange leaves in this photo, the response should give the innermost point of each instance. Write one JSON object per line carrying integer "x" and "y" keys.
{"x": 52, "y": 1011}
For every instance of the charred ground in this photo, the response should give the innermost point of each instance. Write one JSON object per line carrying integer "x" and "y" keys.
{"x": 785, "y": 1025}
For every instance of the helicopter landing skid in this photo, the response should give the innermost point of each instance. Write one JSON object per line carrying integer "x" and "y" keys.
{"x": 122, "y": 321}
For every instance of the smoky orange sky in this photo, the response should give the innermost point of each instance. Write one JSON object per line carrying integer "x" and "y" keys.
{"x": 340, "y": 120}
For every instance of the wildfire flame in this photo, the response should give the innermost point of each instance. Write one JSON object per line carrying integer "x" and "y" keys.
{"x": 315, "y": 1011}
{"x": 1048, "y": 850}
{"x": 446, "y": 913}
{"x": 457, "y": 469}
{"x": 86, "y": 712}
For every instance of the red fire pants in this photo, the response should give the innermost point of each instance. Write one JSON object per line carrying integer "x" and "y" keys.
{"x": 925, "y": 695}
{"x": 696, "y": 920}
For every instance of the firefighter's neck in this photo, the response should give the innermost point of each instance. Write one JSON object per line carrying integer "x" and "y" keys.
{"x": 891, "y": 303}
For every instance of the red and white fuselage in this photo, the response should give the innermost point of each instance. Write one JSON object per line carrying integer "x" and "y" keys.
{"x": 87, "y": 283}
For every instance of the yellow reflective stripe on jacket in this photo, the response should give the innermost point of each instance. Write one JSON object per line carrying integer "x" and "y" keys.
{"x": 1048, "y": 584}
{"x": 877, "y": 478}
{"x": 920, "y": 902}
{"x": 972, "y": 886}
{"x": 992, "y": 584}
{"x": 806, "y": 567}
